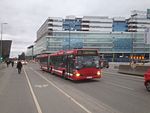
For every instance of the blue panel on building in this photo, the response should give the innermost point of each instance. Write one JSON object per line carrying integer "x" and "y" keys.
{"x": 119, "y": 26}
{"x": 74, "y": 43}
{"x": 122, "y": 44}
{"x": 72, "y": 25}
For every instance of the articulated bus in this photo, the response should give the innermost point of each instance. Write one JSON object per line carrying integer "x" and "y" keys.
{"x": 76, "y": 64}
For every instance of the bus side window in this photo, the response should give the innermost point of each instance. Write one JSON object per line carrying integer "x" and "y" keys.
{"x": 72, "y": 61}
{"x": 64, "y": 61}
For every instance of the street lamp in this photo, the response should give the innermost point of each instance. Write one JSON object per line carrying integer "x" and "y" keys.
{"x": 69, "y": 36}
{"x": 70, "y": 29}
{"x": 1, "y": 48}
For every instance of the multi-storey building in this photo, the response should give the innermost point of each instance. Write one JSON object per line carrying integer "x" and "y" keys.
{"x": 50, "y": 25}
{"x": 96, "y": 23}
{"x": 5, "y": 49}
{"x": 29, "y": 52}
{"x": 138, "y": 21}
{"x": 109, "y": 35}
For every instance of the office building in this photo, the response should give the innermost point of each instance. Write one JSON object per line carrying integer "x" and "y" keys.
{"x": 115, "y": 38}
{"x": 6, "y": 46}
{"x": 30, "y": 52}
{"x": 139, "y": 21}
{"x": 96, "y": 23}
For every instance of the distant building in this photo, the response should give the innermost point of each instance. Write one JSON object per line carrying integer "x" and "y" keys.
{"x": 30, "y": 52}
{"x": 117, "y": 39}
{"x": 50, "y": 25}
{"x": 6, "y": 46}
{"x": 97, "y": 24}
{"x": 138, "y": 21}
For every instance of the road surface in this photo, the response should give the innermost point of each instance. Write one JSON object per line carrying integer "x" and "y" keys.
{"x": 35, "y": 91}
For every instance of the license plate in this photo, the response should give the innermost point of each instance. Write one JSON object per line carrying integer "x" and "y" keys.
{"x": 89, "y": 77}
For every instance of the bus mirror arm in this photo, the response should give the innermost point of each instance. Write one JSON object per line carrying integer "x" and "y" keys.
{"x": 77, "y": 67}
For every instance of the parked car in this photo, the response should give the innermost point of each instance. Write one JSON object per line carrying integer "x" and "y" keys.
{"x": 147, "y": 80}
{"x": 104, "y": 63}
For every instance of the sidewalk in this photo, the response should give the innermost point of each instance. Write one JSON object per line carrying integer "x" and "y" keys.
{"x": 2, "y": 66}
{"x": 15, "y": 96}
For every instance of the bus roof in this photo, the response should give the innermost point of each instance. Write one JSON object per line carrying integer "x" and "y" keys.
{"x": 42, "y": 55}
{"x": 73, "y": 51}
{"x": 85, "y": 51}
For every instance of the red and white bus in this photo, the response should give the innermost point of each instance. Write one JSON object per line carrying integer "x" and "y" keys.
{"x": 76, "y": 64}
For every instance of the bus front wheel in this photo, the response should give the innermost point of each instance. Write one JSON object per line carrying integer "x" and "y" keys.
{"x": 148, "y": 86}
{"x": 63, "y": 75}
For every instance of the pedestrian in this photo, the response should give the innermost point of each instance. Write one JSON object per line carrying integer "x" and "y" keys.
{"x": 12, "y": 63}
{"x": 19, "y": 66}
{"x": 7, "y": 62}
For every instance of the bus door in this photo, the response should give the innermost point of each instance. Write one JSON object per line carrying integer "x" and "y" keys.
{"x": 70, "y": 64}
{"x": 44, "y": 63}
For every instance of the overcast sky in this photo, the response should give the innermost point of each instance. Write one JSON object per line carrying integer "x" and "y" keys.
{"x": 24, "y": 17}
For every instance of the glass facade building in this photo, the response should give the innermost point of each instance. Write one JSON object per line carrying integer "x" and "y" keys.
{"x": 117, "y": 39}
{"x": 113, "y": 45}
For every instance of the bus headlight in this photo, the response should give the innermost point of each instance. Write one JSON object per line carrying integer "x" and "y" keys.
{"x": 98, "y": 73}
{"x": 77, "y": 74}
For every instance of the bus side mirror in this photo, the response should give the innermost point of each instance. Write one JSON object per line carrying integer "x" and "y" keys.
{"x": 97, "y": 66}
{"x": 77, "y": 67}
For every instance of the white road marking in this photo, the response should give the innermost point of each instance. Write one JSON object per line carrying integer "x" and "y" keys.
{"x": 33, "y": 94}
{"x": 45, "y": 85}
{"x": 41, "y": 86}
{"x": 63, "y": 92}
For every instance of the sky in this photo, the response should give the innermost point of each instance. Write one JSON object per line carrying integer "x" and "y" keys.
{"x": 24, "y": 17}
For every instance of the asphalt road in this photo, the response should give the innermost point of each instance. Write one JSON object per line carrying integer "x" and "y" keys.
{"x": 35, "y": 91}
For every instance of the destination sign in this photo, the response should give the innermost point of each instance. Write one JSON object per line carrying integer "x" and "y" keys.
{"x": 87, "y": 52}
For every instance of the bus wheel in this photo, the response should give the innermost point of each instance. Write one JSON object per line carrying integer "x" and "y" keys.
{"x": 63, "y": 75}
{"x": 50, "y": 70}
{"x": 148, "y": 86}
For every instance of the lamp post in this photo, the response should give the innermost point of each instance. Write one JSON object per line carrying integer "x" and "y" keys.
{"x": 69, "y": 36}
{"x": 1, "y": 48}
{"x": 70, "y": 29}
{"x": 69, "y": 49}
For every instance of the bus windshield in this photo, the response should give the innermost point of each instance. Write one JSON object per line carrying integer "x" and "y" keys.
{"x": 87, "y": 61}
